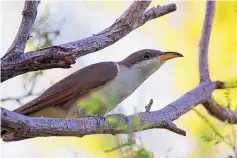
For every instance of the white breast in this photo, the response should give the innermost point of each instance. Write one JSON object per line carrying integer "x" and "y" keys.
{"x": 126, "y": 82}
{"x": 107, "y": 97}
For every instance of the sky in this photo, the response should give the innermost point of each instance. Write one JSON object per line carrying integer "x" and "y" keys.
{"x": 82, "y": 19}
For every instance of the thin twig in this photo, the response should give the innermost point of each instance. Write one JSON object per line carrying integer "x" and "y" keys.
{"x": 234, "y": 140}
{"x": 148, "y": 107}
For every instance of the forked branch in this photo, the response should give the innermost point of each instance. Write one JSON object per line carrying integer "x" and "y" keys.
{"x": 211, "y": 106}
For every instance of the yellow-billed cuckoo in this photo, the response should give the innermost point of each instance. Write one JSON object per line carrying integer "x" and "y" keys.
{"x": 98, "y": 88}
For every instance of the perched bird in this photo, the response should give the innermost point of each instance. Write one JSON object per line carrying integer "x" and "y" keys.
{"x": 98, "y": 88}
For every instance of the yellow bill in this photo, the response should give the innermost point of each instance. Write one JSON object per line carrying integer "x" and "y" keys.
{"x": 169, "y": 55}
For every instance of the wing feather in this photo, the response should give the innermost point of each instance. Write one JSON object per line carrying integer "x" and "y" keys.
{"x": 73, "y": 86}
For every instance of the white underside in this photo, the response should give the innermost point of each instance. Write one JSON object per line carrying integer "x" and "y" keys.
{"x": 107, "y": 97}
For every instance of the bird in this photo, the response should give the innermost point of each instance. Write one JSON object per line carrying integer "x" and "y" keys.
{"x": 98, "y": 88}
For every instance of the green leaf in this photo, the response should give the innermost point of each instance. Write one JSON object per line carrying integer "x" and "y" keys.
{"x": 145, "y": 125}
{"x": 143, "y": 153}
{"x": 231, "y": 83}
{"x": 228, "y": 98}
{"x": 207, "y": 138}
{"x": 213, "y": 128}
{"x": 136, "y": 122}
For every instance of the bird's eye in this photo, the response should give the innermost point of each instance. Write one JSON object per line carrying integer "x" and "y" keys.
{"x": 147, "y": 55}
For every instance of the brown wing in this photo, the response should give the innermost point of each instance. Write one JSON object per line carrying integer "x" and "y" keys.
{"x": 78, "y": 83}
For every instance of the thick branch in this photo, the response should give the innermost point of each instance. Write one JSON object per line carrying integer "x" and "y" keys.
{"x": 211, "y": 106}
{"x": 54, "y": 57}
{"x": 41, "y": 127}
{"x": 29, "y": 14}
{"x": 62, "y": 56}
{"x": 220, "y": 112}
{"x": 204, "y": 42}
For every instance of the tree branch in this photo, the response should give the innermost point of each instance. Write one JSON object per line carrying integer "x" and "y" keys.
{"x": 204, "y": 42}
{"x": 211, "y": 106}
{"x": 154, "y": 13}
{"x": 29, "y": 14}
{"x": 42, "y": 127}
{"x": 220, "y": 112}
{"x": 62, "y": 56}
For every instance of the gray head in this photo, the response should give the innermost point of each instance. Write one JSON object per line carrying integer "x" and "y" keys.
{"x": 147, "y": 55}
{"x": 148, "y": 60}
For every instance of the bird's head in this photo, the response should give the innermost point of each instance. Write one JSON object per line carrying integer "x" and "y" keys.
{"x": 148, "y": 60}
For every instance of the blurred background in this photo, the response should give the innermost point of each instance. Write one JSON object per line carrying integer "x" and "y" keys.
{"x": 66, "y": 21}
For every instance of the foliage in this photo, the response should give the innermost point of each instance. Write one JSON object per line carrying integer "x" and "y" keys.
{"x": 215, "y": 135}
{"x": 143, "y": 153}
{"x": 43, "y": 34}
{"x": 232, "y": 82}
{"x": 140, "y": 152}
{"x": 227, "y": 96}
